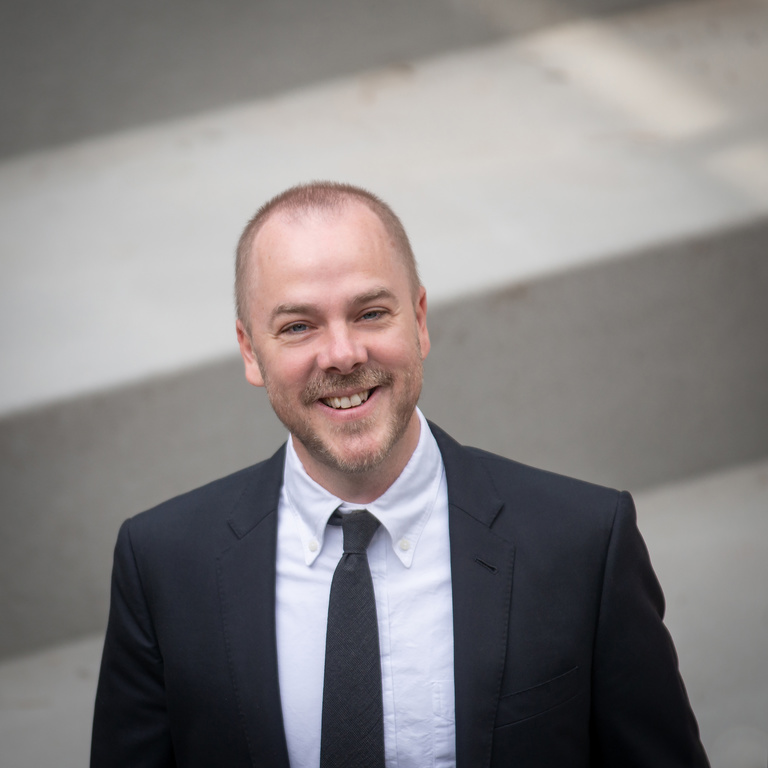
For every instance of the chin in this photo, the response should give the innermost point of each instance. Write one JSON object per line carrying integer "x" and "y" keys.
{"x": 353, "y": 460}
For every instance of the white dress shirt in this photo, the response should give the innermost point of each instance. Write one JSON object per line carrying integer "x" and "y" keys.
{"x": 409, "y": 558}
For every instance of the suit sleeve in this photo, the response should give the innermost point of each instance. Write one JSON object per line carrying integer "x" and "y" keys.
{"x": 130, "y": 726}
{"x": 640, "y": 710}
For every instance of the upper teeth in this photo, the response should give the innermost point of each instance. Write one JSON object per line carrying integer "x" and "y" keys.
{"x": 347, "y": 402}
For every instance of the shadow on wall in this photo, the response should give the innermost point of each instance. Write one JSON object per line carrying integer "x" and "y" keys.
{"x": 631, "y": 373}
{"x": 84, "y": 68}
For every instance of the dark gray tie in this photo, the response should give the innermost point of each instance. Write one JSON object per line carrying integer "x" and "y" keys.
{"x": 353, "y": 720}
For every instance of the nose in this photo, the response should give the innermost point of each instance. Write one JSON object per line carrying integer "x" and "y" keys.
{"x": 342, "y": 350}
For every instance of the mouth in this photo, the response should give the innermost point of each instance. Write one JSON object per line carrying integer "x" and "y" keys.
{"x": 347, "y": 401}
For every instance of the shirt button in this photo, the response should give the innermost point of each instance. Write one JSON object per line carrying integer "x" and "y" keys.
{"x": 404, "y": 544}
{"x": 313, "y": 545}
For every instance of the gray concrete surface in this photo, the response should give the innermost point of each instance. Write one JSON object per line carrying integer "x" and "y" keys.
{"x": 538, "y": 153}
{"x": 83, "y": 68}
{"x": 631, "y": 372}
{"x": 707, "y": 543}
{"x": 706, "y": 538}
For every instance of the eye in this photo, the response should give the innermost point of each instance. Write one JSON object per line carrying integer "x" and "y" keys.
{"x": 295, "y": 328}
{"x": 372, "y": 314}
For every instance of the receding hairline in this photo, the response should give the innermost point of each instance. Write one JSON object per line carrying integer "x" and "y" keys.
{"x": 318, "y": 198}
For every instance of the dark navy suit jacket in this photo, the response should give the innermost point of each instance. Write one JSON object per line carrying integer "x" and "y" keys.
{"x": 561, "y": 656}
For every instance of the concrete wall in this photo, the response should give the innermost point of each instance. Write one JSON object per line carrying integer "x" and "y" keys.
{"x": 630, "y": 372}
{"x": 85, "y": 68}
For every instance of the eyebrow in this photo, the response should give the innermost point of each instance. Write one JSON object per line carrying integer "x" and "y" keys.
{"x": 373, "y": 295}
{"x": 307, "y": 309}
{"x": 291, "y": 309}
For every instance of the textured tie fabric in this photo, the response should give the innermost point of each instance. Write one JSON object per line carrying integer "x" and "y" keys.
{"x": 353, "y": 721}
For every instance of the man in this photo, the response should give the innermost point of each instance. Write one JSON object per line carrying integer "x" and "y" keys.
{"x": 516, "y": 620}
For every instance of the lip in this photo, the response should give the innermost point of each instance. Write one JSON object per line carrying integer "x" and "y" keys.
{"x": 349, "y": 413}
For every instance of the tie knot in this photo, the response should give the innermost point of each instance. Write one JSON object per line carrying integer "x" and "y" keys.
{"x": 358, "y": 528}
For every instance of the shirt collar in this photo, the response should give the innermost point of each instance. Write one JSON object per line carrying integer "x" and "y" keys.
{"x": 403, "y": 509}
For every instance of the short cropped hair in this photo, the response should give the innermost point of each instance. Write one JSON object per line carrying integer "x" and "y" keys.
{"x": 318, "y": 196}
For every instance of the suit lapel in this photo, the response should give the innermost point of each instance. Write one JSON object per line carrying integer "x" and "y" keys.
{"x": 481, "y": 574}
{"x": 246, "y": 573}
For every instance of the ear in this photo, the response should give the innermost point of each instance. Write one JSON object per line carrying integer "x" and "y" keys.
{"x": 421, "y": 322}
{"x": 252, "y": 370}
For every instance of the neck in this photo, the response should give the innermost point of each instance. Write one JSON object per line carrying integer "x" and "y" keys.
{"x": 363, "y": 487}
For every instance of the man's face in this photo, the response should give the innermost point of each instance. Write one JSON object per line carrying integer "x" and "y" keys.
{"x": 337, "y": 338}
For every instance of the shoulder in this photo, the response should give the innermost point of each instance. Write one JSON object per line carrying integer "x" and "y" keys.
{"x": 531, "y": 498}
{"x": 208, "y": 510}
{"x": 536, "y": 485}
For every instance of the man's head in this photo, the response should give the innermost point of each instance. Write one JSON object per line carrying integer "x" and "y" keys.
{"x": 333, "y": 323}
{"x": 317, "y": 197}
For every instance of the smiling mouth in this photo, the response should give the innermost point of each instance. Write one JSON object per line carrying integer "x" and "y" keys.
{"x": 352, "y": 401}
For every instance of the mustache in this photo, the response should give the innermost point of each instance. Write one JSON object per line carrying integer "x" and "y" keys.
{"x": 364, "y": 378}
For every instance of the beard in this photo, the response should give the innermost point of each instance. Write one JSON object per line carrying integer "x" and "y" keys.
{"x": 348, "y": 448}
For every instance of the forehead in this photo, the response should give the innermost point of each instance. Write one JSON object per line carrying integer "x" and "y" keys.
{"x": 322, "y": 246}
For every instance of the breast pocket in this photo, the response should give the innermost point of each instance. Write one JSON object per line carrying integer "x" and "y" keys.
{"x": 540, "y": 698}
